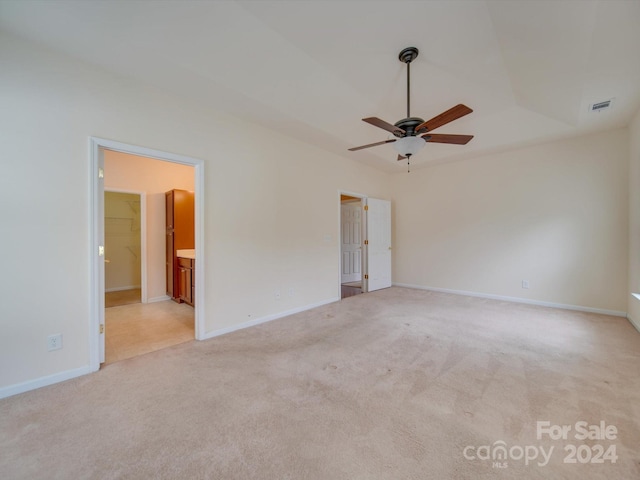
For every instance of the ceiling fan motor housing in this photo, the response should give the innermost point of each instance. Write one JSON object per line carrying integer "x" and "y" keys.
{"x": 409, "y": 126}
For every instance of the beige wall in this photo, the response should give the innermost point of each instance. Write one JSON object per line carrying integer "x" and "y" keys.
{"x": 554, "y": 214}
{"x": 154, "y": 178}
{"x": 633, "y": 305}
{"x": 271, "y": 205}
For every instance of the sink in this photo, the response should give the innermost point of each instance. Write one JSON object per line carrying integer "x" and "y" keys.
{"x": 186, "y": 253}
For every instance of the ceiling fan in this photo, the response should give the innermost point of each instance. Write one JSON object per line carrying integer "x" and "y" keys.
{"x": 413, "y": 132}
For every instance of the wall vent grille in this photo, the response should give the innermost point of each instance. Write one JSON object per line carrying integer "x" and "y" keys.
{"x": 600, "y": 106}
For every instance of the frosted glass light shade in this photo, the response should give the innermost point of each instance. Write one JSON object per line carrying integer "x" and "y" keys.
{"x": 408, "y": 145}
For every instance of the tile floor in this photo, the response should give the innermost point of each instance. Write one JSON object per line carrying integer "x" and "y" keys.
{"x": 122, "y": 297}
{"x": 350, "y": 289}
{"x": 136, "y": 329}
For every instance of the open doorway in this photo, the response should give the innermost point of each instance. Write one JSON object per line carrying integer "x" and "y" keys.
{"x": 351, "y": 252}
{"x": 149, "y": 324}
{"x": 135, "y": 324}
{"x": 124, "y": 220}
{"x": 365, "y": 244}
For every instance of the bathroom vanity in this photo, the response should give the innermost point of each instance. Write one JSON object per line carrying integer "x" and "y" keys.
{"x": 180, "y": 235}
{"x": 186, "y": 276}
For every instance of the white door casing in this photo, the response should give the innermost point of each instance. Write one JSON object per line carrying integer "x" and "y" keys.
{"x": 99, "y": 232}
{"x": 351, "y": 264}
{"x": 379, "y": 244}
{"x": 96, "y": 155}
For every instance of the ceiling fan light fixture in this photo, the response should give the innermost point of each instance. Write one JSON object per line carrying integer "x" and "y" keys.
{"x": 408, "y": 146}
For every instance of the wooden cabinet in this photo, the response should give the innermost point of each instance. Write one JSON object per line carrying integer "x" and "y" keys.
{"x": 180, "y": 234}
{"x": 186, "y": 277}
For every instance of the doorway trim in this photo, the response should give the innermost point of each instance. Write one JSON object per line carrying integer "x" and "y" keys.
{"x": 363, "y": 236}
{"x": 96, "y": 264}
{"x": 143, "y": 238}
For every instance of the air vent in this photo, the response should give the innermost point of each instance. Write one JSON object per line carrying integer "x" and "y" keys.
{"x": 600, "y": 106}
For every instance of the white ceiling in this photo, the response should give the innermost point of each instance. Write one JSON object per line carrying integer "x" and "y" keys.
{"x": 313, "y": 69}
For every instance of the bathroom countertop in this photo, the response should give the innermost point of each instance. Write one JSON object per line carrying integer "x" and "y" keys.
{"x": 186, "y": 253}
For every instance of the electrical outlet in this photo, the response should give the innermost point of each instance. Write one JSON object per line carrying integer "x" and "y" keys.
{"x": 525, "y": 283}
{"x": 54, "y": 342}
{"x": 277, "y": 295}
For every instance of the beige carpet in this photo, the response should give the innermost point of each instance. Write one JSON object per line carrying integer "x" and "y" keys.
{"x": 392, "y": 385}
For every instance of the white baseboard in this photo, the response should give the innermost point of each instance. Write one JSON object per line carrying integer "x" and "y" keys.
{"x": 158, "y": 299}
{"x": 578, "y": 308}
{"x": 45, "y": 381}
{"x": 119, "y": 289}
{"x": 268, "y": 318}
{"x": 69, "y": 374}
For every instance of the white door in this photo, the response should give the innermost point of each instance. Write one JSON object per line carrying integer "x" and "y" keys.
{"x": 379, "y": 246}
{"x": 351, "y": 215}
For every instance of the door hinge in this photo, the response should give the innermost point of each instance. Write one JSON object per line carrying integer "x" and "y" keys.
{"x": 100, "y": 172}
{"x": 366, "y": 207}
{"x": 366, "y": 242}
{"x": 101, "y": 250}
{"x": 102, "y": 328}
{"x": 366, "y": 277}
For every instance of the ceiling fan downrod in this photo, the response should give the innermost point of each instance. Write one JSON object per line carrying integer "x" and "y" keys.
{"x": 407, "y": 56}
{"x": 408, "y": 89}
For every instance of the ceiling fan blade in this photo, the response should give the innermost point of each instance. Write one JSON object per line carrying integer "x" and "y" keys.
{"x": 377, "y": 122}
{"x": 372, "y": 145}
{"x": 450, "y": 115}
{"x": 447, "y": 138}
{"x": 401, "y": 157}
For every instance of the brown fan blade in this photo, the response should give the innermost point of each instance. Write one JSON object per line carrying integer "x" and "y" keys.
{"x": 447, "y": 138}
{"x": 372, "y": 145}
{"x": 450, "y": 115}
{"x": 377, "y": 122}
{"x": 400, "y": 157}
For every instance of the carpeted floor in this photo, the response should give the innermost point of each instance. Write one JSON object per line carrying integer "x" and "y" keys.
{"x": 394, "y": 384}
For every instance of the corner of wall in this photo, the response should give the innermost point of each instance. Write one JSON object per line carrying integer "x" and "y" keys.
{"x": 633, "y": 263}
{"x": 633, "y": 322}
